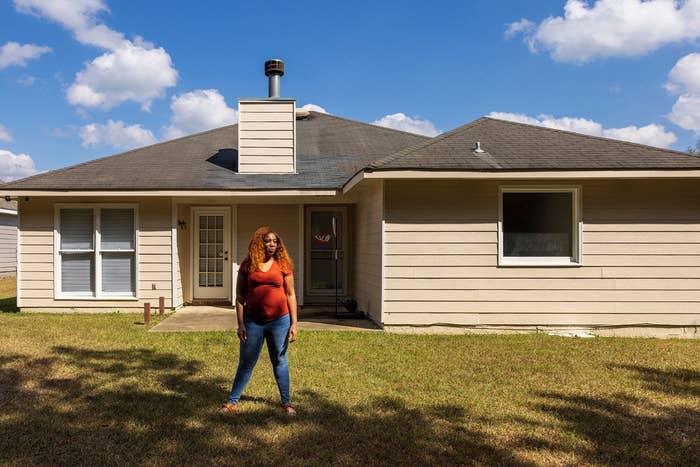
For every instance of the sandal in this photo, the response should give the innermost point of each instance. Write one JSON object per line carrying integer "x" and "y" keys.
{"x": 290, "y": 410}
{"x": 228, "y": 408}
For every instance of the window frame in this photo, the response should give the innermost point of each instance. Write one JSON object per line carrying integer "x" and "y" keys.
{"x": 576, "y": 258}
{"x": 96, "y": 251}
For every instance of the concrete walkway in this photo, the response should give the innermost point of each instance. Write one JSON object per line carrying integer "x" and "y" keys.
{"x": 213, "y": 318}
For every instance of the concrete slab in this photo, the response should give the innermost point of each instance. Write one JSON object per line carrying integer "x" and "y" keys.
{"x": 213, "y": 318}
{"x": 198, "y": 318}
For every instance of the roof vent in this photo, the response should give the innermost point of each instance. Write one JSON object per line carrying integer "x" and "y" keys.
{"x": 478, "y": 149}
{"x": 274, "y": 69}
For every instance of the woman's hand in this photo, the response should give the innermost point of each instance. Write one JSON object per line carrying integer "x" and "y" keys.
{"x": 242, "y": 334}
{"x": 293, "y": 332}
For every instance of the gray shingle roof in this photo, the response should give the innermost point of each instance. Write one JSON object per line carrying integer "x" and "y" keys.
{"x": 518, "y": 146}
{"x": 329, "y": 151}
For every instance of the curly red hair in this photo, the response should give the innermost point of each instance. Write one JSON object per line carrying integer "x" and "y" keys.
{"x": 256, "y": 252}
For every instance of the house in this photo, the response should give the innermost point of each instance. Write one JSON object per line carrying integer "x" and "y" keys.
{"x": 494, "y": 224}
{"x": 8, "y": 237}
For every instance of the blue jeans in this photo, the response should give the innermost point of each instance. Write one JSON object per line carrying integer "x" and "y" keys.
{"x": 276, "y": 333}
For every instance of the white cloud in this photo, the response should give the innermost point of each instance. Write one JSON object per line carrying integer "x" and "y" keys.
{"x": 522, "y": 26}
{"x": 401, "y": 121}
{"x": 314, "y": 108}
{"x": 611, "y": 28}
{"x": 14, "y": 166}
{"x": 652, "y": 134}
{"x": 78, "y": 16}
{"x": 82, "y": 113}
{"x": 198, "y": 110}
{"x": 128, "y": 73}
{"x": 686, "y": 113}
{"x": 5, "y": 135}
{"x": 684, "y": 79}
{"x": 16, "y": 54}
{"x": 26, "y": 80}
{"x": 116, "y": 134}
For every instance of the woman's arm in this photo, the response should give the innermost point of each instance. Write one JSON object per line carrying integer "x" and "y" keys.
{"x": 292, "y": 304}
{"x": 241, "y": 284}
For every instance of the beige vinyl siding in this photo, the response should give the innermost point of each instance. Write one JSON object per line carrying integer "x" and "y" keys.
{"x": 641, "y": 257}
{"x": 8, "y": 244}
{"x": 367, "y": 248}
{"x": 266, "y": 136}
{"x": 37, "y": 256}
{"x": 184, "y": 253}
{"x": 179, "y": 298}
{"x": 283, "y": 219}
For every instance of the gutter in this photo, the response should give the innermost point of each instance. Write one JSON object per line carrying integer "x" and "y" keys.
{"x": 432, "y": 174}
{"x": 167, "y": 193}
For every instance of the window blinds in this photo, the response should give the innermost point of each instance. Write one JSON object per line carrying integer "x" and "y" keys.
{"x": 77, "y": 229}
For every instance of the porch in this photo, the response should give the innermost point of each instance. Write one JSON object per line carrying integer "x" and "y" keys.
{"x": 334, "y": 243}
{"x": 223, "y": 318}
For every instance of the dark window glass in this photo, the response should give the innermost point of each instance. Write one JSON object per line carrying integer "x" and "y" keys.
{"x": 537, "y": 224}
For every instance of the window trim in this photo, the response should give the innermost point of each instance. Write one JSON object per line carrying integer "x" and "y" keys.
{"x": 576, "y": 259}
{"x": 96, "y": 251}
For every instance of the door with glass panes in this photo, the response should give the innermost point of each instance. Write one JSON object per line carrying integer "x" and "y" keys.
{"x": 326, "y": 245}
{"x": 212, "y": 268}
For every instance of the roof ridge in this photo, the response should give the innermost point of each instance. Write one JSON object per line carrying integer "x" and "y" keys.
{"x": 425, "y": 144}
{"x": 371, "y": 125}
{"x": 100, "y": 159}
{"x": 602, "y": 138}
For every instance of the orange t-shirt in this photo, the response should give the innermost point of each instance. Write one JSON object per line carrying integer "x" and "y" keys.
{"x": 265, "y": 297}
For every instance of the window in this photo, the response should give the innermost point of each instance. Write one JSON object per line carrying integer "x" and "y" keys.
{"x": 96, "y": 255}
{"x": 539, "y": 227}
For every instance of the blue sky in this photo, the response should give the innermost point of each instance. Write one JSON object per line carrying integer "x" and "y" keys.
{"x": 81, "y": 79}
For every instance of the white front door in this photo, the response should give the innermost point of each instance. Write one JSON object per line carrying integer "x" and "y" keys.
{"x": 212, "y": 245}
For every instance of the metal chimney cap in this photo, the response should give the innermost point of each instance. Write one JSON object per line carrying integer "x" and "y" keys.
{"x": 274, "y": 67}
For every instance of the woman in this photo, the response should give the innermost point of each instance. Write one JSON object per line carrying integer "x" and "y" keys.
{"x": 266, "y": 307}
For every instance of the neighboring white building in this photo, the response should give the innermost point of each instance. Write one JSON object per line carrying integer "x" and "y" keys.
{"x": 8, "y": 237}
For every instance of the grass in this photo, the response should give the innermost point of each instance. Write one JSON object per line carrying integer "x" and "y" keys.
{"x": 8, "y": 291}
{"x": 98, "y": 389}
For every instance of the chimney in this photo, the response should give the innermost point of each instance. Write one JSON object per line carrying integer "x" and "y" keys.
{"x": 274, "y": 70}
{"x": 267, "y": 128}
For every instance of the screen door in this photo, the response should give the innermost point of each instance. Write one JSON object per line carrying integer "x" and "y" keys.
{"x": 326, "y": 250}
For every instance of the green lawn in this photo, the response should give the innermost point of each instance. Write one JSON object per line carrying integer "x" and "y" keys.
{"x": 86, "y": 389}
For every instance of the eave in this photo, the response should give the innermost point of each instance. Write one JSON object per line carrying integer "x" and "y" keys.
{"x": 414, "y": 174}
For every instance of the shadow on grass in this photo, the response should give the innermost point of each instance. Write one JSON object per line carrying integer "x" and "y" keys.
{"x": 8, "y": 305}
{"x": 620, "y": 429}
{"x": 141, "y": 406}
